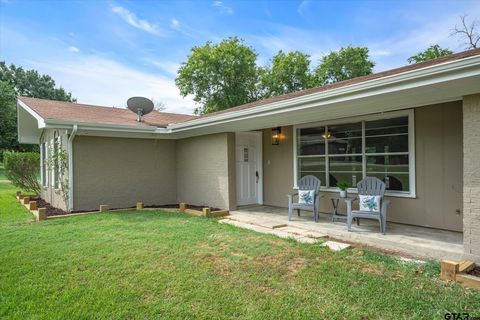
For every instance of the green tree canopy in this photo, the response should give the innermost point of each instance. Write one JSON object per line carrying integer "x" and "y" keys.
{"x": 219, "y": 76}
{"x": 30, "y": 83}
{"x": 347, "y": 63}
{"x": 288, "y": 72}
{"x": 432, "y": 52}
{"x": 8, "y": 136}
{"x": 16, "y": 81}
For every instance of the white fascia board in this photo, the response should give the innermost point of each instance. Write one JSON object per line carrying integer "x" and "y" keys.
{"x": 409, "y": 78}
{"x": 51, "y": 123}
{"x": 40, "y": 120}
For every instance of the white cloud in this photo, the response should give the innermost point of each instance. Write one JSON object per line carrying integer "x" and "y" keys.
{"x": 131, "y": 19}
{"x": 106, "y": 82}
{"x": 223, "y": 8}
{"x": 73, "y": 49}
{"x": 175, "y": 24}
{"x": 169, "y": 67}
{"x": 303, "y": 6}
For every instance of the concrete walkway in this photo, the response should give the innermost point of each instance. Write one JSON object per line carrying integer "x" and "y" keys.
{"x": 410, "y": 240}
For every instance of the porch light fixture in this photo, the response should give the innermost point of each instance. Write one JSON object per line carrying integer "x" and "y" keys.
{"x": 276, "y": 134}
{"x": 326, "y": 135}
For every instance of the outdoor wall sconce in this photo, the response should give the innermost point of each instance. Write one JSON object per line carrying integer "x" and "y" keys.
{"x": 276, "y": 134}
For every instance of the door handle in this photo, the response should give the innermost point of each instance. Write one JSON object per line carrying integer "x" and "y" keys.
{"x": 256, "y": 175}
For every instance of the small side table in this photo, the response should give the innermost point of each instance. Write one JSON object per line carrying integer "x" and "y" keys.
{"x": 336, "y": 216}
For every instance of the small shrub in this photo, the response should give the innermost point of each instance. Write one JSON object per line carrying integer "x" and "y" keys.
{"x": 21, "y": 169}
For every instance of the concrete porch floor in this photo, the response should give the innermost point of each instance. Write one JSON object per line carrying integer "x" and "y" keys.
{"x": 415, "y": 241}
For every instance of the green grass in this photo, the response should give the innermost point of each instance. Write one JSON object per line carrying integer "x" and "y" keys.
{"x": 154, "y": 264}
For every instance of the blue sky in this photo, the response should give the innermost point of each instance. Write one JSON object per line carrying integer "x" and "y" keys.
{"x": 107, "y": 51}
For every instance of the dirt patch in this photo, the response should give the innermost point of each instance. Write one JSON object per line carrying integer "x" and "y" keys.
{"x": 295, "y": 265}
{"x": 51, "y": 210}
{"x": 475, "y": 271}
{"x": 372, "y": 271}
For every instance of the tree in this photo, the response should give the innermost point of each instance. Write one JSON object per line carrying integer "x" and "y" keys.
{"x": 16, "y": 81}
{"x": 287, "y": 73}
{"x": 219, "y": 76}
{"x": 432, "y": 52}
{"x": 468, "y": 33}
{"x": 8, "y": 136}
{"x": 30, "y": 83}
{"x": 347, "y": 63}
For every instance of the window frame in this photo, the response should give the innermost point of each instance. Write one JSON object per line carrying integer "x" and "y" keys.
{"x": 388, "y": 115}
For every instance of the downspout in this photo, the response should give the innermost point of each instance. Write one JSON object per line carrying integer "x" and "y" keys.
{"x": 70, "y": 166}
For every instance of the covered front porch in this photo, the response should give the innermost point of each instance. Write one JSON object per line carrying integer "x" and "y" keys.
{"x": 405, "y": 239}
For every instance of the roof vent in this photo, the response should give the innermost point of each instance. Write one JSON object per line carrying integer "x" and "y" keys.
{"x": 141, "y": 106}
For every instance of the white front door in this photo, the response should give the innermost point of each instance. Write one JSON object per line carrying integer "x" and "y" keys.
{"x": 248, "y": 151}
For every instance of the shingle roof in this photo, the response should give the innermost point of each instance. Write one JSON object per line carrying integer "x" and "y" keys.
{"x": 60, "y": 110}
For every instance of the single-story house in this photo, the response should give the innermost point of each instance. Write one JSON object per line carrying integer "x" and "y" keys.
{"x": 417, "y": 128}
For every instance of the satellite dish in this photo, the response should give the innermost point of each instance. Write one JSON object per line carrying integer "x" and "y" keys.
{"x": 141, "y": 106}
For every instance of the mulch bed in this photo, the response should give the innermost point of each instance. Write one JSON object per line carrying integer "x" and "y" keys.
{"x": 475, "y": 271}
{"x": 190, "y": 206}
{"x": 51, "y": 211}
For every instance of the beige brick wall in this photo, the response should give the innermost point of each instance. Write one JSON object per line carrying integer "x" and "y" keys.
{"x": 120, "y": 172}
{"x": 471, "y": 176}
{"x": 205, "y": 170}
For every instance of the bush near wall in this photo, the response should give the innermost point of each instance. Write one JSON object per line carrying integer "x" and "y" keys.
{"x": 21, "y": 169}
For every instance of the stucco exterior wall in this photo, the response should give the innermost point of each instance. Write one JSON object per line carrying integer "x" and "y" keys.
{"x": 120, "y": 171}
{"x": 205, "y": 170}
{"x": 48, "y": 192}
{"x": 471, "y": 176}
{"x": 438, "y": 144}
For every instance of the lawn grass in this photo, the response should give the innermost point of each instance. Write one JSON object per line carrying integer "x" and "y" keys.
{"x": 154, "y": 264}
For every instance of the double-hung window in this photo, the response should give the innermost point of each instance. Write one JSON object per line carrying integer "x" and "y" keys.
{"x": 379, "y": 146}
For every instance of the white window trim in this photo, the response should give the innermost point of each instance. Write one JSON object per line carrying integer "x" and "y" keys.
{"x": 411, "y": 148}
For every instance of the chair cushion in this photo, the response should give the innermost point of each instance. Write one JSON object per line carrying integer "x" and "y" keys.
{"x": 369, "y": 203}
{"x": 306, "y": 196}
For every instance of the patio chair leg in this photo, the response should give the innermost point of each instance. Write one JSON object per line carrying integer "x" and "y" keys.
{"x": 289, "y": 213}
{"x": 381, "y": 224}
{"x": 358, "y": 221}
{"x": 298, "y": 212}
{"x": 349, "y": 222}
{"x": 384, "y": 224}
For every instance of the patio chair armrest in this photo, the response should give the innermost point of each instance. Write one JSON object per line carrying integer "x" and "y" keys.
{"x": 290, "y": 197}
{"x": 349, "y": 202}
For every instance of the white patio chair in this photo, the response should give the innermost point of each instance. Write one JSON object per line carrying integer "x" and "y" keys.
{"x": 370, "y": 186}
{"x": 305, "y": 183}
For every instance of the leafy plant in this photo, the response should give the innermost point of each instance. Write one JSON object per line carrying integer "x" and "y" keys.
{"x": 21, "y": 169}
{"x": 58, "y": 161}
{"x": 342, "y": 185}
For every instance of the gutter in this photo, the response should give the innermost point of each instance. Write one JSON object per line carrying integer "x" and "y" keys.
{"x": 70, "y": 166}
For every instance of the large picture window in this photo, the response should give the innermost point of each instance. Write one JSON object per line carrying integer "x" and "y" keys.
{"x": 378, "y": 146}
